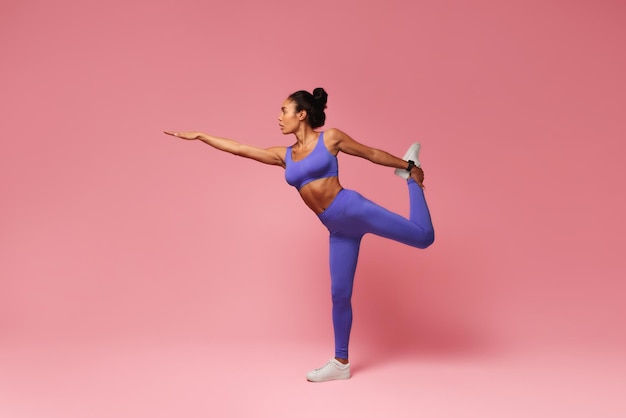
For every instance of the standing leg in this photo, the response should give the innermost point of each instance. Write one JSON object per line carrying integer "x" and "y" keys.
{"x": 344, "y": 253}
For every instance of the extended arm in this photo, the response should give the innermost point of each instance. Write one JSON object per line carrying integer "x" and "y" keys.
{"x": 272, "y": 156}
{"x": 348, "y": 145}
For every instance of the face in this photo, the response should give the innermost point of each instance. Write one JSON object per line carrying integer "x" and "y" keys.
{"x": 288, "y": 119}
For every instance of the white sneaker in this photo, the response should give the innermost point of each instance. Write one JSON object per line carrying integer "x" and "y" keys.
{"x": 333, "y": 370}
{"x": 411, "y": 154}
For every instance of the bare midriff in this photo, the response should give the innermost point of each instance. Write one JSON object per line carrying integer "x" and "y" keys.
{"x": 319, "y": 193}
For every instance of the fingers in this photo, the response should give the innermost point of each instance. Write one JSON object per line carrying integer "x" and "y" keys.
{"x": 418, "y": 175}
{"x": 170, "y": 133}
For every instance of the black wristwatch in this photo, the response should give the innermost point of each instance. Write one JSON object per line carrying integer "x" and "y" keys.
{"x": 411, "y": 165}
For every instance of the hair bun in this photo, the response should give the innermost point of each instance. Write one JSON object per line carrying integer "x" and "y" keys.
{"x": 314, "y": 104}
{"x": 320, "y": 96}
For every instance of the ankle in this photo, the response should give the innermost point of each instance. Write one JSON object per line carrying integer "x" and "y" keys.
{"x": 342, "y": 360}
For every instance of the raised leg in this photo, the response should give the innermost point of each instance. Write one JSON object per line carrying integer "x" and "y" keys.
{"x": 417, "y": 231}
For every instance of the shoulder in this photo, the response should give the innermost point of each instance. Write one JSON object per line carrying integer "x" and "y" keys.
{"x": 333, "y": 137}
{"x": 333, "y": 133}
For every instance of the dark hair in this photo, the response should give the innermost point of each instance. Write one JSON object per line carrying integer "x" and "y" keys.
{"x": 314, "y": 104}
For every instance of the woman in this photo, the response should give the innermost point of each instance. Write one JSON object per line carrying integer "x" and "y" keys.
{"x": 311, "y": 166}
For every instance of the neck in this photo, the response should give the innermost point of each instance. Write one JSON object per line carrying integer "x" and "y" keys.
{"x": 305, "y": 135}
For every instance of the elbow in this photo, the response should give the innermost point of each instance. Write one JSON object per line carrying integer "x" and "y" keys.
{"x": 236, "y": 148}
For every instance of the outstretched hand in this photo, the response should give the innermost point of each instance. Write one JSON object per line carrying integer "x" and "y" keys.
{"x": 184, "y": 135}
{"x": 417, "y": 174}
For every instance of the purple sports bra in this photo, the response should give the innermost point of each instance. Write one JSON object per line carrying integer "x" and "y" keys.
{"x": 319, "y": 164}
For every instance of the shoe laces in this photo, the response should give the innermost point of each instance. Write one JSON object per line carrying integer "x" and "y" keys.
{"x": 325, "y": 366}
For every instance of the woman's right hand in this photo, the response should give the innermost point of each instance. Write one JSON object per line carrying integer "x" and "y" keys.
{"x": 184, "y": 135}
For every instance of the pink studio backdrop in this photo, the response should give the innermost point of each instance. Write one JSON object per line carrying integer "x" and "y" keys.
{"x": 111, "y": 230}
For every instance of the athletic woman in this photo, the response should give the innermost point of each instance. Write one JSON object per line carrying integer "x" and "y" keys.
{"x": 311, "y": 167}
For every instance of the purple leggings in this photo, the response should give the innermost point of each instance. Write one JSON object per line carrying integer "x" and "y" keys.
{"x": 348, "y": 218}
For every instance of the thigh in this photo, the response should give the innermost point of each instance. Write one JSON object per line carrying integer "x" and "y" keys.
{"x": 344, "y": 254}
{"x": 387, "y": 224}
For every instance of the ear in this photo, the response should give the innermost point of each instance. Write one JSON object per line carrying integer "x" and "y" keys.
{"x": 302, "y": 115}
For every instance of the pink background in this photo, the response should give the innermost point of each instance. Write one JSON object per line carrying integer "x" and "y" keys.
{"x": 141, "y": 275}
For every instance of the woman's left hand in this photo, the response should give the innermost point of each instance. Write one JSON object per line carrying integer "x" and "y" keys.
{"x": 417, "y": 174}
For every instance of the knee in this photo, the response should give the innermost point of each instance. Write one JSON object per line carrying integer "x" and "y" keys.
{"x": 341, "y": 296}
{"x": 428, "y": 239}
